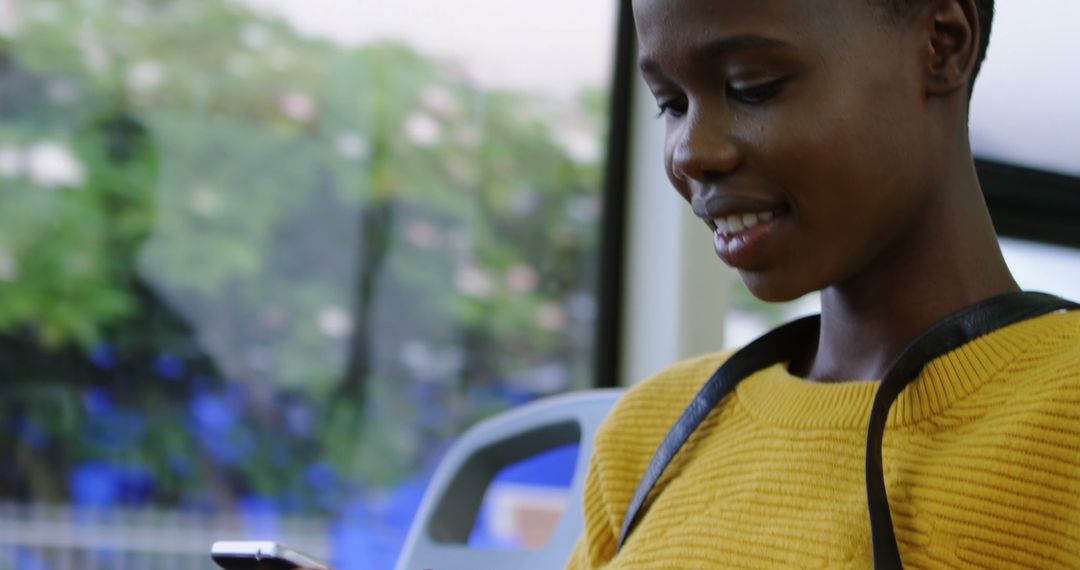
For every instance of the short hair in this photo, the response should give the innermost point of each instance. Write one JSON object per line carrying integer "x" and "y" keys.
{"x": 908, "y": 8}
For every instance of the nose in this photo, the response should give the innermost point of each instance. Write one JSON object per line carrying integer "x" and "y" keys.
{"x": 702, "y": 148}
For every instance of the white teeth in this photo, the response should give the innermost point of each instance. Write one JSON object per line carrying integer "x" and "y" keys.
{"x": 736, "y": 223}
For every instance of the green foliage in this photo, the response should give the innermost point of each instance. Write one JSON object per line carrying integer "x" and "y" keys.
{"x": 197, "y": 180}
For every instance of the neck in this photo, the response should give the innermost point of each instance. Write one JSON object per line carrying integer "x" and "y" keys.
{"x": 949, "y": 261}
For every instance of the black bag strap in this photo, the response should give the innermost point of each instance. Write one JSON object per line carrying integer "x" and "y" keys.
{"x": 948, "y": 334}
{"x": 757, "y": 355}
{"x": 784, "y": 342}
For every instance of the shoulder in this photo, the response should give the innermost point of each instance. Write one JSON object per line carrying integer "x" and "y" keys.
{"x": 1049, "y": 364}
{"x": 1058, "y": 326}
{"x": 1033, "y": 374}
{"x": 1052, "y": 350}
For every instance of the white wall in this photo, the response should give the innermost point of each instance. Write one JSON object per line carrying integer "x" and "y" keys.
{"x": 1026, "y": 106}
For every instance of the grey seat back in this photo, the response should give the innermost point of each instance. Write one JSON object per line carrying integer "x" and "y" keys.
{"x": 438, "y": 537}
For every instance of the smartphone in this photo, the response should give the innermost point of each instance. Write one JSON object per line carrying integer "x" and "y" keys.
{"x": 260, "y": 555}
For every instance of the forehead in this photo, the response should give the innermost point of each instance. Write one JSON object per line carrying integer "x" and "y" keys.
{"x": 666, "y": 27}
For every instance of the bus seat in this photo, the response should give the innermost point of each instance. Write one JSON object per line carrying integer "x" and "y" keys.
{"x": 439, "y": 535}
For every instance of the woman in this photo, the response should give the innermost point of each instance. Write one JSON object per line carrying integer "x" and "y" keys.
{"x": 824, "y": 143}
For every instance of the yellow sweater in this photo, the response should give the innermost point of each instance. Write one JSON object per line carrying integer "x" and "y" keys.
{"x": 981, "y": 454}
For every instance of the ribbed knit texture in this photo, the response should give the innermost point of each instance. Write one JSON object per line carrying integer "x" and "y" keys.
{"x": 981, "y": 453}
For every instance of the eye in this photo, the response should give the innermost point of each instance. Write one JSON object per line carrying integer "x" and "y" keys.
{"x": 672, "y": 108}
{"x": 755, "y": 94}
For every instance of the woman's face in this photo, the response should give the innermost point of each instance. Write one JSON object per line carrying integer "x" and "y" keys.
{"x": 797, "y": 129}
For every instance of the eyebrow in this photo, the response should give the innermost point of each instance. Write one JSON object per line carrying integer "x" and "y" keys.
{"x": 719, "y": 47}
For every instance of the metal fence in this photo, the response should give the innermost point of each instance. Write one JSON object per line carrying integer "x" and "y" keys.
{"x": 34, "y": 537}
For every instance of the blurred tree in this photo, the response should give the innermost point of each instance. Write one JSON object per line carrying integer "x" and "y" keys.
{"x": 235, "y": 260}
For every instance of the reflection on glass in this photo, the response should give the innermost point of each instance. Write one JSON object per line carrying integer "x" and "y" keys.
{"x": 252, "y": 280}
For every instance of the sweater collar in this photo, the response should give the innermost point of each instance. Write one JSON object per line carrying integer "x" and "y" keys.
{"x": 777, "y": 397}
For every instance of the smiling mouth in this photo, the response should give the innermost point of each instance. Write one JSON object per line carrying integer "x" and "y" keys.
{"x": 734, "y": 225}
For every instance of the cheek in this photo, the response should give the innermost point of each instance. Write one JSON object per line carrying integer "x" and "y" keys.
{"x": 854, "y": 194}
{"x": 842, "y": 160}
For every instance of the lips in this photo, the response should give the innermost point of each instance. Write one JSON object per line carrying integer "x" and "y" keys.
{"x": 743, "y": 225}
{"x": 748, "y": 248}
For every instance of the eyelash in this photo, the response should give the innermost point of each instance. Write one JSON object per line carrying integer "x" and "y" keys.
{"x": 665, "y": 109}
{"x": 755, "y": 95}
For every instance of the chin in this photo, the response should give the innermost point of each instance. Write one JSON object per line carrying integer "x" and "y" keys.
{"x": 773, "y": 289}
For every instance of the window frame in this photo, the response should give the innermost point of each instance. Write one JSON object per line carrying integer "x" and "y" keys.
{"x": 1031, "y": 204}
{"x": 610, "y": 291}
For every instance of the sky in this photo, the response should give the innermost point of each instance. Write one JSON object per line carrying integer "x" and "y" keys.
{"x": 550, "y": 46}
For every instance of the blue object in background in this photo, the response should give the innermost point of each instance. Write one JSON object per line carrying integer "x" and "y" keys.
{"x": 404, "y": 501}
{"x": 552, "y": 469}
{"x": 212, "y": 413}
{"x": 114, "y": 430}
{"x": 216, "y": 423}
{"x": 23, "y": 559}
{"x": 169, "y": 367}
{"x": 320, "y": 475}
{"x": 260, "y": 515}
{"x": 94, "y": 485}
{"x": 31, "y": 433}
{"x": 103, "y": 356}
{"x": 101, "y": 485}
{"x": 97, "y": 402}
{"x": 356, "y": 547}
{"x": 371, "y": 530}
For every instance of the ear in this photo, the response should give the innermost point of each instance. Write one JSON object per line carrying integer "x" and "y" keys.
{"x": 954, "y": 31}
